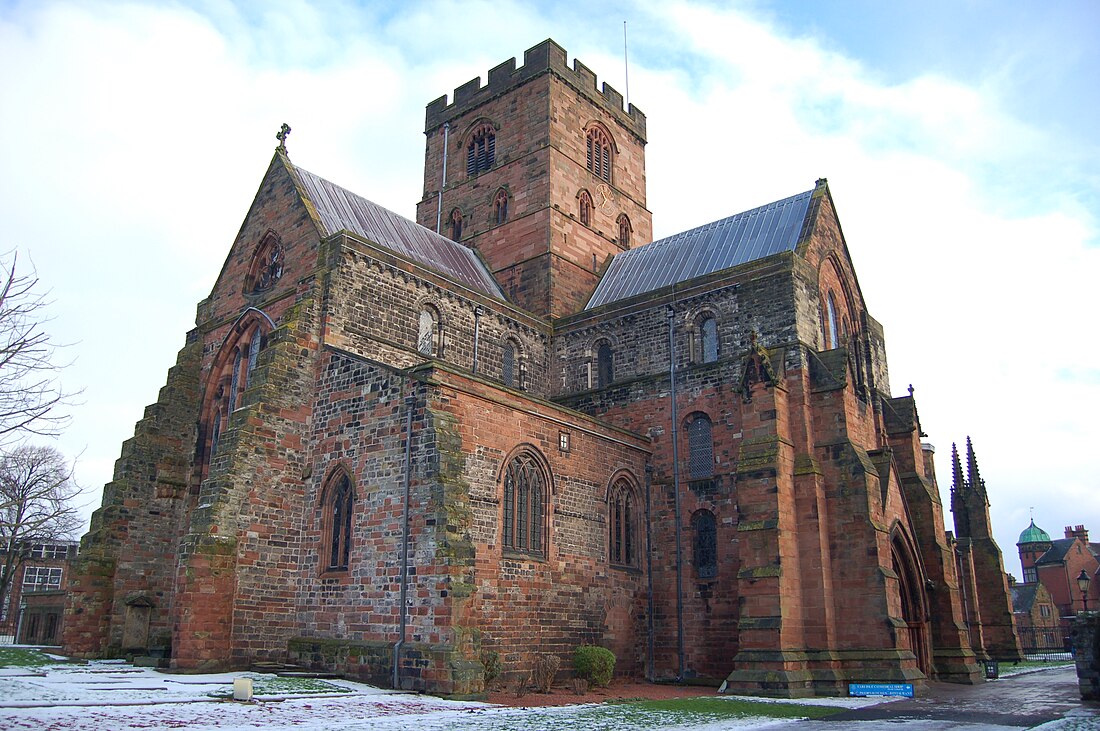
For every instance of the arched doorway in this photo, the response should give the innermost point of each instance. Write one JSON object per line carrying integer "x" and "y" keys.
{"x": 914, "y": 606}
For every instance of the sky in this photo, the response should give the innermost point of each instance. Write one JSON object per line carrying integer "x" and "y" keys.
{"x": 958, "y": 138}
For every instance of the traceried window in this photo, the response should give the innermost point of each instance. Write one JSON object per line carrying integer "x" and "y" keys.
{"x": 599, "y": 154}
{"x": 622, "y": 522}
{"x": 500, "y": 207}
{"x": 704, "y": 544}
{"x": 625, "y": 231}
{"x": 456, "y": 225}
{"x": 525, "y": 497}
{"x": 425, "y": 339}
{"x": 267, "y": 265}
{"x": 481, "y": 151}
{"x": 700, "y": 448}
{"x": 584, "y": 204}
{"x": 41, "y": 578}
{"x": 605, "y": 369}
{"x": 338, "y": 508}
{"x": 708, "y": 334}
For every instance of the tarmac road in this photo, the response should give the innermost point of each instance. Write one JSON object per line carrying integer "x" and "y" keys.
{"x": 1048, "y": 699}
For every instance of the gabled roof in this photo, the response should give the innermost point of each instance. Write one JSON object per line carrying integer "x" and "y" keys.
{"x": 1060, "y": 547}
{"x": 1023, "y": 596}
{"x": 341, "y": 210}
{"x": 720, "y": 245}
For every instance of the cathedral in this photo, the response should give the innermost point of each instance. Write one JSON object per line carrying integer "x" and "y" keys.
{"x": 394, "y": 449}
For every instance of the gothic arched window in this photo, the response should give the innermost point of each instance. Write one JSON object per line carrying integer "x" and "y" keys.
{"x": 705, "y": 544}
{"x": 585, "y": 208}
{"x": 622, "y": 521}
{"x": 456, "y": 225}
{"x": 500, "y": 206}
{"x": 605, "y": 369}
{"x": 700, "y": 448}
{"x": 338, "y": 507}
{"x": 830, "y": 323}
{"x": 508, "y": 364}
{"x": 624, "y": 231}
{"x": 599, "y": 153}
{"x": 708, "y": 332}
{"x": 525, "y": 498}
{"x": 481, "y": 151}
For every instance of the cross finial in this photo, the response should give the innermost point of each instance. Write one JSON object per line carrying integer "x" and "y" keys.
{"x": 281, "y": 136}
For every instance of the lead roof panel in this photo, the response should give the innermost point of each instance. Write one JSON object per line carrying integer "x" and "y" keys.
{"x": 340, "y": 209}
{"x": 726, "y": 243}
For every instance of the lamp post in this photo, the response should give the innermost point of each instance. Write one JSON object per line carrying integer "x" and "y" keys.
{"x": 1083, "y": 582}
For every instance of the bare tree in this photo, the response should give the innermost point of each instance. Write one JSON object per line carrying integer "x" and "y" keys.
{"x": 29, "y": 391}
{"x": 38, "y": 504}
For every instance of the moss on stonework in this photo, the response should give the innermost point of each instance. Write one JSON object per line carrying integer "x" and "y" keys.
{"x": 752, "y": 525}
{"x": 216, "y": 546}
{"x": 760, "y": 572}
{"x": 804, "y": 464}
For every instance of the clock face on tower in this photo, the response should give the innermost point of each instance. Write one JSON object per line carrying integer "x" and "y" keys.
{"x": 605, "y": 199}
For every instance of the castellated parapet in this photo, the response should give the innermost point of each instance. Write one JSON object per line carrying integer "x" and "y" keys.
{"x": 546, "y": 57}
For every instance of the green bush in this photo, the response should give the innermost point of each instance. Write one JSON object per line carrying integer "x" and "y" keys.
{"x": 491, "y": 661}
{"x": 594, "y": 664}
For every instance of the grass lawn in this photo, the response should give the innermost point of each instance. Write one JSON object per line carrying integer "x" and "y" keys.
{"x": 24, "y": 657}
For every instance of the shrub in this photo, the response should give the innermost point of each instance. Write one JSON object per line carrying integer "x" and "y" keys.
{"x": 594, "y": 664}
{"x": 546, "y": 669}
{"x": 491, "y": 661}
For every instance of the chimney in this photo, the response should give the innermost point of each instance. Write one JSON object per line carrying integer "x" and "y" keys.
{"x": 1077, "y": 531}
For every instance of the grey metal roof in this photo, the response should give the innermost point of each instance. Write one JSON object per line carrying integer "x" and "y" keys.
{"x": 340, "y": 210}
{"x": 719, "y": 245}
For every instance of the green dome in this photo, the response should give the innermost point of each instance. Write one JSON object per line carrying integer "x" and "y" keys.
{"x": 1033, "y": 534}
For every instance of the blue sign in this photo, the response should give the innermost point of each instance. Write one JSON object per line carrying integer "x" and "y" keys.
{"x": 904, "y": 690}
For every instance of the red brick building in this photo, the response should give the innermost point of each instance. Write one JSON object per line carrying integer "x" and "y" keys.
{"x": 41, "y": 571}
{"x": 1057, "y": 565}
{"x": 386, "y": 439}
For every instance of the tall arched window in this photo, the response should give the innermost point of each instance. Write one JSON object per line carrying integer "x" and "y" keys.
{"x": 425, "y": 338}
{"x": 508, "y": 364}
{"x": 216, "y": 432}
{"x": 481, "y": 151}
{"x": 624, "y": 231}
{"x": 456, "y": 225}
{"x": 500, "y": 206}
{"x": 605, "y": 369}
{"x": 708, "y": 332}
{"x": 338, "y": 508}
{"x": 622, "y": 522}
{"x": 599, "y": 153}
{"x": 525, "y": 496}
{"x": 584, "y": 204}
{"x": 830, "y": 322}
{"x": 700, "y": 448}
{"x": 704, "y": 544}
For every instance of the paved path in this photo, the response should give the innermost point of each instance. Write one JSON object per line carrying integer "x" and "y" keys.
{"x": 1049, "y": 699}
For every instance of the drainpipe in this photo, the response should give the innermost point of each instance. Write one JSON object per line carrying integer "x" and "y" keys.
{"x": 477, "y": 335}
{"x": 443, "y": 183}
{"x": 676, "y": 493}
{"x": 649, "y": 575}
{"x": 403, "y": 610}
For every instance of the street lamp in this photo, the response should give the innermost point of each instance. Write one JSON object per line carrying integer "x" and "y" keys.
{"x": 1083, "y": 582}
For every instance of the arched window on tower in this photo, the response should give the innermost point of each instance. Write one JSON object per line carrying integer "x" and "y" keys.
{"x": 456, "y": 225}
{"x": 585, "y": 205}
{"x": 700, "y": 448}
{"x": 525, "y": 496}
{"x": 599, "y": 153}
{"x": 625, "y": 231}
{"x": 605, "y": 369}
{"x": 508, "y": 364}
{"x": 500, "y": 207}
{"x": 481, "y": 151}
{"x": 622, "y": 521}
{"x": 704, "y": 530}
{"x": 339, "y": 503}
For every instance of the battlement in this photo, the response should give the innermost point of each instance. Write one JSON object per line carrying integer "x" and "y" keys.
{"x": 546, "y": 57}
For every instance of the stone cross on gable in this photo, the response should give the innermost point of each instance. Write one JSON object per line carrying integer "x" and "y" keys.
{"x": 281, "y": 136}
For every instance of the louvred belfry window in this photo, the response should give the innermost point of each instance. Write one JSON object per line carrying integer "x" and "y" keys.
{"x": 481, "y": 151}
{"x": 525, "y": 493}
{"x": 599, "y": 154}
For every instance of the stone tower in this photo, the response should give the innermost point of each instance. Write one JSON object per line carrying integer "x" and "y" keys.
{"x": 981, "y": 565}
{"x": 540, "y": 171}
